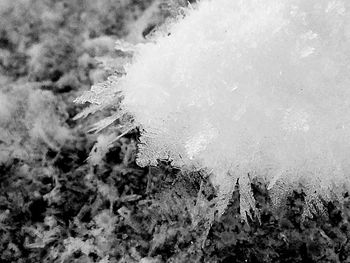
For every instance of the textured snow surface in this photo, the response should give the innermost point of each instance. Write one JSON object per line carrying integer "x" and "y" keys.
{"x": 258, "y": 87}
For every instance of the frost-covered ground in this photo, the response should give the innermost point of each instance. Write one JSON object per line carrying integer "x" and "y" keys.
{"x": 57, "y": 204}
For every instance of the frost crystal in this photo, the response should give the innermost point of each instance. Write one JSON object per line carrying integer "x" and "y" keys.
{"x": 248, "y": 87}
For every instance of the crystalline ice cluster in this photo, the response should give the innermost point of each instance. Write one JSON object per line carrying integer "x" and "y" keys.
{"x": 248, "y": 88}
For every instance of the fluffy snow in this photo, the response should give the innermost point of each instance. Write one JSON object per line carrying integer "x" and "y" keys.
{"x": 258, "y": 87}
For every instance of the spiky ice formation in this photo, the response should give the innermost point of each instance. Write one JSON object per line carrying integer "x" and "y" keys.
{"x": 248, "y": 87}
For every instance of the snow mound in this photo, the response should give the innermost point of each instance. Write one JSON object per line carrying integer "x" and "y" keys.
{"x": 248, "y": 88}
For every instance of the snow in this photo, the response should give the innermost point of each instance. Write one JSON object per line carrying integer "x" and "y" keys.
{"x": 248, "y": 87}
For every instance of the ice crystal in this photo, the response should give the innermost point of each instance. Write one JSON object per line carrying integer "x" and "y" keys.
{"x": 247, "y": 88}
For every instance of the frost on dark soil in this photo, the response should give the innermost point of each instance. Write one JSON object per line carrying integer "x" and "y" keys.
{"x": 57, "y": 207}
